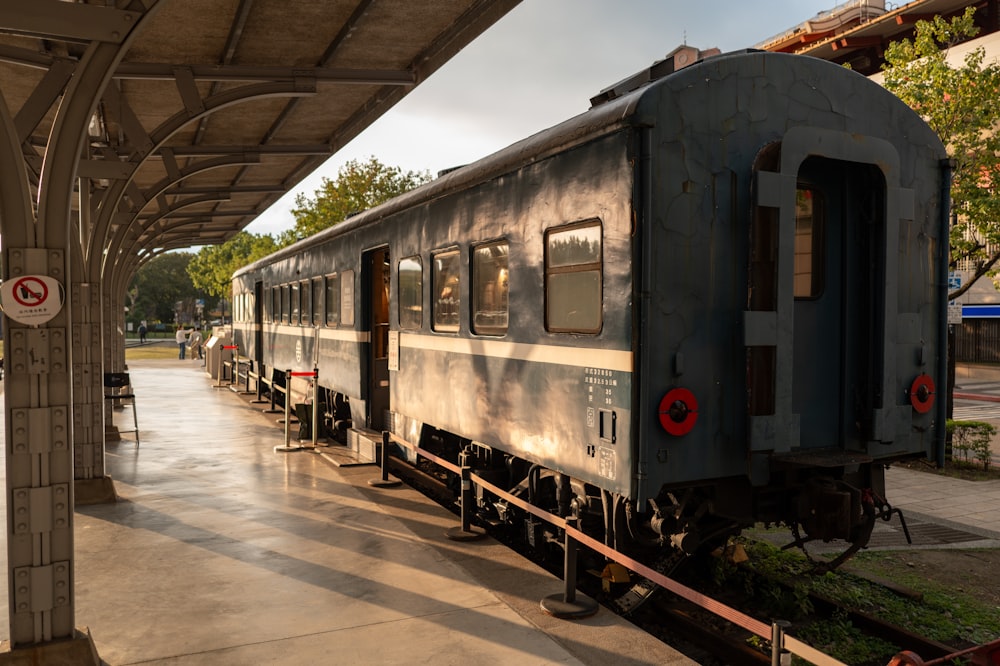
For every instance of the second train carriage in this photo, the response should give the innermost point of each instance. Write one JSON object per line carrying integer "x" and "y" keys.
{"x": 714, "y": 299}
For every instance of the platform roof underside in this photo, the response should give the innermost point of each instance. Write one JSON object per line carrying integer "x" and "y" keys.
{"x": 218, "y": 107}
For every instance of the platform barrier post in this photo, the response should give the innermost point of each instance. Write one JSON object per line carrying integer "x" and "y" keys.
{"x": 218, "y": 382}
{"x": 384, "y": 481}
{"x": 288, "y": 416}
{"x": 315, "y": 409}
{"x": 234, "y": 374}
{"x": 466, "y": 531}
{"x": 274, "y": 395}
{"x": 566, "y": 605}
{"x": 246, "y": 387}
{"x": 779, "y": 656}
{"x": 259, "y": 400}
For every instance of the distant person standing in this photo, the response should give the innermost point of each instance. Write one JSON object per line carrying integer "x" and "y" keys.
{"x": 194, "y": 342}
{"x": 142, "y": 334}
{"x": 181, "y": 339}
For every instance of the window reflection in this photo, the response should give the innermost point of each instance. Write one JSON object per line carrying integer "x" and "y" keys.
{"x": 491, "y": 287}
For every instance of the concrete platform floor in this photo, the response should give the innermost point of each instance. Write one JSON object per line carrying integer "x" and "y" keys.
{"x": 222, "y": 551}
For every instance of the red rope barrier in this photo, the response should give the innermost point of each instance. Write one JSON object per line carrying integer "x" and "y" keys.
{"x": 731, "y": 614}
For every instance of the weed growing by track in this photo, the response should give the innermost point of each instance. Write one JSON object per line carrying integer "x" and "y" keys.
{"x": 780, "y": 585}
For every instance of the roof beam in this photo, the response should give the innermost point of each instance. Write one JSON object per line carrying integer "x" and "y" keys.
{"x": 903, "y": 19}
{"x": 856, "y": 43}
{"x": 275, "y": 149}
{"x": 237, "y": 73}
{"x": 68, "y": 21}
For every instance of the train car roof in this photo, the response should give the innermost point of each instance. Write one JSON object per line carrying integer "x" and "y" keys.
{"x": 611, "y": 112}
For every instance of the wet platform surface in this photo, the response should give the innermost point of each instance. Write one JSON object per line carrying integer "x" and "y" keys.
{"x": 223, "y": 551}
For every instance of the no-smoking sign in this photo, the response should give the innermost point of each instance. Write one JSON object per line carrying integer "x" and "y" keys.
{"x": 31, "y": 299}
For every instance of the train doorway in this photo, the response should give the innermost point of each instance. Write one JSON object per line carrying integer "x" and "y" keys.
{"x": 375, "y": 281}
{"x": 258, "y": 329}
{"x": 822, "y": 245}
{"x": 839, "y": 229}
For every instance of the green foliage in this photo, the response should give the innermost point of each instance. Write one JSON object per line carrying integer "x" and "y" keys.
{"x": 358, "y": 187}
{"x": 959, "y": 103}
{"x": 839, "y": 638}
{"x": 972, "y": 438}
{"x": 159, "y": 285}
{"x": 780, "y": 582}
{"x": 213, "y": 267}
{"x": 945, "y": 613}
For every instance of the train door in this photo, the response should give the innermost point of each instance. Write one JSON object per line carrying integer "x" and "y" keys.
{"x": 375, "y": 280}
{"x": 258, "y": 324}
{"x": 837, "y": 221}
{"x": 821, "y": 327}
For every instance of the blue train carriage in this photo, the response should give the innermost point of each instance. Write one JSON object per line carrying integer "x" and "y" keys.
{"x": 792, "y": 270}
{"x": 716, "y": 296}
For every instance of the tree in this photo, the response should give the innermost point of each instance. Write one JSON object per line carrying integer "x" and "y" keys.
{"x": 358, "y": 187}
{"x": 159, "y": 285}
{"x": 213, "y": 267}
{"x": 959, "y": 103}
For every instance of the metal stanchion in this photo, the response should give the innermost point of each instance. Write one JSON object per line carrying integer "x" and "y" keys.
{"x": 259, "y": 400}
{"x": 779, "y": 655}
{"x": 314, "y": 377}
{"x": 467, "y": 531}
{"x": 288, "y": 417}
{"x": 315, "y": 409}
{"x": 233, "y": 378}
{"x": 384, "y": 481}
{"x": 274, "y": 394}
{"x": 566, "y": 605}
{"x": 246, "y": 387}
{"x": 218, "y": 379}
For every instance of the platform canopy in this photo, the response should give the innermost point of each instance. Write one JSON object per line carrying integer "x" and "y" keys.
{"x": 133, "y": 127}
{"x": 217, "y": 107}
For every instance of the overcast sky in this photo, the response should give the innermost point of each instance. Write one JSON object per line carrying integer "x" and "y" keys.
{"x": 536, "y": 67}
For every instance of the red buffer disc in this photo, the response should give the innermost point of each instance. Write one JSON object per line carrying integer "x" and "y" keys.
{"x": 678, "y": 411}
{"x": 922, "y": 393}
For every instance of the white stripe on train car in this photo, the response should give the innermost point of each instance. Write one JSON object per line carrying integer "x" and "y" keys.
{"x": 582, "y": 357}
{"x": 342, "y": 334}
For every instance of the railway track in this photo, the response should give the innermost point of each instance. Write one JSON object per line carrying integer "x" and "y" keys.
{"x": 714, "y": 641}
{"x": 705, "y": 636}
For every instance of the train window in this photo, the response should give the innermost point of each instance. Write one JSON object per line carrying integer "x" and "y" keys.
{"x": 573, "y": 279}
{"x": 446, "y": 283}
{"x": 332, "y": 299}
{"x": 411, "y": 293}
{"x": 347, "y": 298}
{"x": 808, "y": 243}
{"x": 276, "y": 304}
{"x": 266, "y": 313}
{"x": 286, "y": 292}
{"x": 490, "y": 288}
{"x": 317, "y": 301}
{"x": 295, "y": 304}
{"x": 305, "y": 296}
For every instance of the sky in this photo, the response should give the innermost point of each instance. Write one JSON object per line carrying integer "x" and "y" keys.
{"x": 538, "y": 66}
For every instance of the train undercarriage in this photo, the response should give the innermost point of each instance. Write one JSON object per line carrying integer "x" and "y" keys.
{"x": 824, "y": 504}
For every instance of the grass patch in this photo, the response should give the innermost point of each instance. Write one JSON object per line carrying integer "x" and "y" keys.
{"x": 779, "y": 583}
{"x": 150, "y": 352}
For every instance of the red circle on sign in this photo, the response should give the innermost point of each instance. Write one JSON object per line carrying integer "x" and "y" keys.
{"x": 678, "y": 411}
{"x": 30, "y": 296}
{"x": 922, "y": 393}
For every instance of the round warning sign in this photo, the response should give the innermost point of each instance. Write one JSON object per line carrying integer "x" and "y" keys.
{"x": 31, "y": 299}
